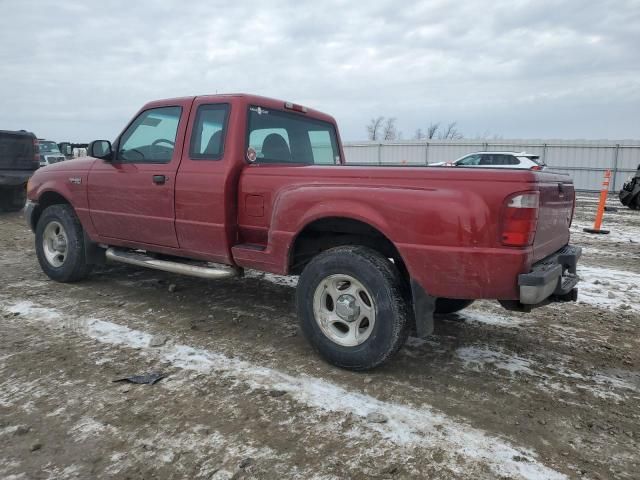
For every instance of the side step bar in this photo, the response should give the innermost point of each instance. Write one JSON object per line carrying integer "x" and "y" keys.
{"x": 142, "y": 260}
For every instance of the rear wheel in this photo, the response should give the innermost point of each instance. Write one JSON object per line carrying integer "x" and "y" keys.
{"x": 351, "y": 308}
{"x": 451, "y": 305}
{"x": 60, "y": 245}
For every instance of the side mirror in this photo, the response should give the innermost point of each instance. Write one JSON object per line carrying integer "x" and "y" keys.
{"x": 101, "y": 149}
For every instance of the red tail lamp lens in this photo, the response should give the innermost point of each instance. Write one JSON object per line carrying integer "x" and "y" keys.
{"x": 520, "y": 219}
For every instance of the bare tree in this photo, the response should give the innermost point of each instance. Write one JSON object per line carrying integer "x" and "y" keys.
{"x": 389, "y": 132}
{"x": 432, "y": 130}
{"x": 374, "y": 128}
{"x": 382, "y": 128}
{"x": 450, "y": 132}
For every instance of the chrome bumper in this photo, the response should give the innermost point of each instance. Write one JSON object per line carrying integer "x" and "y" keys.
{"x": 554, "y": 276}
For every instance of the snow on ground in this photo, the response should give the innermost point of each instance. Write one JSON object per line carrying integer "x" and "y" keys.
{"x": 609, "y": 288}
{"x": 406, "y": 425}
{"x": 166, "y": 447}
{"x": 477, "y": 358}
{"x": 475, "y": 315}
{"x": 599, "y": 384}
{"x": 617, "y": 232}
{"x": 287, "y": 281}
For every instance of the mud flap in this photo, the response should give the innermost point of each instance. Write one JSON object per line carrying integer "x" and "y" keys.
{"x": 424, "y": 306}
{"x": 93, "y": 254}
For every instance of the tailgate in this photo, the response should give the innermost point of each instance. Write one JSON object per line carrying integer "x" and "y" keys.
{"x": 554, "y": 215}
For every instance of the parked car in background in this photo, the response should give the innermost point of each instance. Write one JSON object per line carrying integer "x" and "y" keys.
{"x": 49, "y": 152}
{"x": 18, "y": 160}
{"x": 523, "y": 160}
{"x": 73, "y": 150}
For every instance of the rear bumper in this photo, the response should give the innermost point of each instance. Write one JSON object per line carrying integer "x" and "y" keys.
{"x": 554, "y": 276}
{"x": 12, "y": 178}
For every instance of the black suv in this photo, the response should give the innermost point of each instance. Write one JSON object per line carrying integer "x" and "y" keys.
{"x": 19, "y": 158}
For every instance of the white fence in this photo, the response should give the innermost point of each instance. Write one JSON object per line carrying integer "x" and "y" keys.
{"x": 584, "y": 160}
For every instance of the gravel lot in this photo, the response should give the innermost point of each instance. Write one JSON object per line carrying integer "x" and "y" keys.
{"x": 551, "y": 394}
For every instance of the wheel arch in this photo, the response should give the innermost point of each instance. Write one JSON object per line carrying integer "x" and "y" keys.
{"x": 45, "y": 200}
{"x": 330, "y": 231}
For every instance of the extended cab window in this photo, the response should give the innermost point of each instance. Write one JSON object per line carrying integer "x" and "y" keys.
{"x": 151, "y": 137}
{"x": 282, "y": 137}
{"x": 207, "y": 138}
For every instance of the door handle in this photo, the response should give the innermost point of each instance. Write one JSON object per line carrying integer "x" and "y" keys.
{"x": 159, "y": 179}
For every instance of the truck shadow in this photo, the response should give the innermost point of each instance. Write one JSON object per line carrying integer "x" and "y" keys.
{"x": 262, "y": 314}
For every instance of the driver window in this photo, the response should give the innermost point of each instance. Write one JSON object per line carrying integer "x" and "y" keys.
{"x": 151, "y": 137}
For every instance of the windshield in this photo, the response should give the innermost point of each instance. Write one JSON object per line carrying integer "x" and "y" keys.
{"x": 48, "y": 147}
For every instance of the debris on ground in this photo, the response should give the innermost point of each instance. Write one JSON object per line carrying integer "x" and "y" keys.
{"x": 146, "y": 379}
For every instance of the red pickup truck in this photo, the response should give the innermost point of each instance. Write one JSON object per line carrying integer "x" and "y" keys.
{"x": 211, "y": 185}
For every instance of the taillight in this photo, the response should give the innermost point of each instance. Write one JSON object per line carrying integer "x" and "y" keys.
{"x": 519, "y": 219}
{"x": 536, "y": 167}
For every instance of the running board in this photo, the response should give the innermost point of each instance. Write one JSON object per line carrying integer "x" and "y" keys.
{"x": 142, "y": 260}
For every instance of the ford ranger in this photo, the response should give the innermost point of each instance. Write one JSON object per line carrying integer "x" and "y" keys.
{"x": 211, "y": 185}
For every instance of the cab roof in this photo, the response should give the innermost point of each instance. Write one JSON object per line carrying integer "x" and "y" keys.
{"x": 245, "y": 98}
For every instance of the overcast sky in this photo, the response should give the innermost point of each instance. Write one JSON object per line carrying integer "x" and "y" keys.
{"x": 78, "y": 70}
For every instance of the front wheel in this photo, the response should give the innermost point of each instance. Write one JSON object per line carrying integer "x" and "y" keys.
{"x": 60, "y": 245}
{"x": 351, "y": 308}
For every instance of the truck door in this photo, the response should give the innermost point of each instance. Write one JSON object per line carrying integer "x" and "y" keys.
{"x": 132, "y": 197}
{"x": 207, "y": 180}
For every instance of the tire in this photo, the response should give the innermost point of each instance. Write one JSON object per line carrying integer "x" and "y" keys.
{"x": 375, "y": 285}
{"x": 60, "y": 245}
{"x": 451, "y": 305}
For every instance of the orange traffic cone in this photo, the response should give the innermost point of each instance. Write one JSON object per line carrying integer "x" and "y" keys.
{"x": 601, "y": 206}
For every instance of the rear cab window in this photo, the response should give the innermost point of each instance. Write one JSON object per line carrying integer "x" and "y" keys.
{"x": 209, "y": 132}
{"x": 282, "y": 137}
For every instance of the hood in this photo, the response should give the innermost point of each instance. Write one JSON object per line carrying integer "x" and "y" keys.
{"x": 75, "y": 164}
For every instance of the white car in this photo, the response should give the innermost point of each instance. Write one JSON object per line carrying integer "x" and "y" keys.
{"x": 496, "y": 160}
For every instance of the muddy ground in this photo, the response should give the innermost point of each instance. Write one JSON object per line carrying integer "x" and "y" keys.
{"x": 551, "y": 394}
